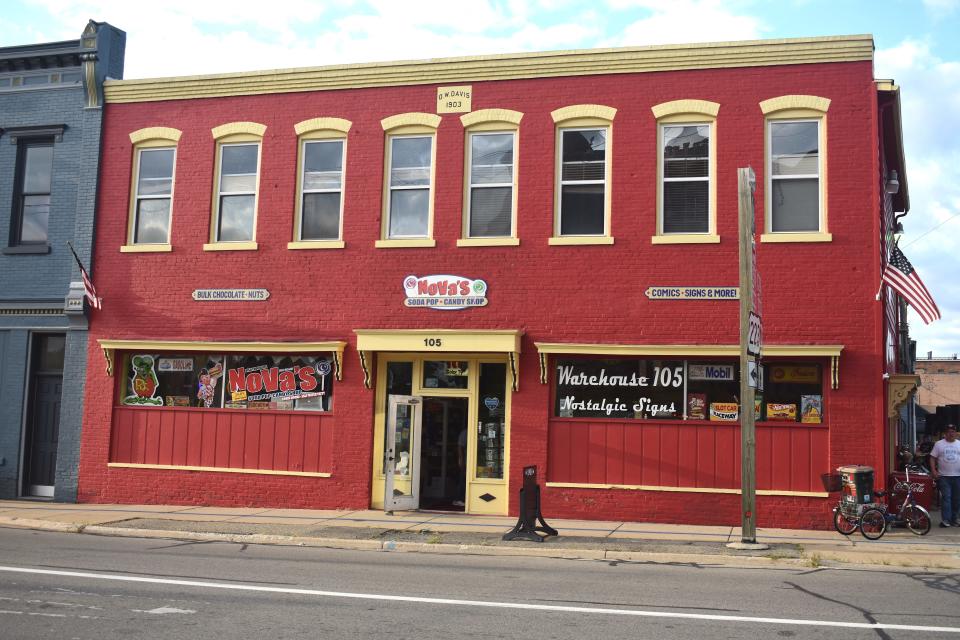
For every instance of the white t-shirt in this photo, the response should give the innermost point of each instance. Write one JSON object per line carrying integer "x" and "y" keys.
{"x": 948, "y": 457}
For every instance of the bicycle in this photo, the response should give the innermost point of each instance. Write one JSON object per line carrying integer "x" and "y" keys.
{"x": 874, "y": 520}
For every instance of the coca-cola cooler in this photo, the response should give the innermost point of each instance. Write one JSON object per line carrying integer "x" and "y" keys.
{"x": 920, "y": 483}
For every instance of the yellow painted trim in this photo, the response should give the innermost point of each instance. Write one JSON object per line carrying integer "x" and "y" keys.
{"x": 686, "y": 238}
{"x": 167, "y": 134}
{"x": 151, "y": 141}
{"x": 232, "y": 347}
{"x": 696, "y": 108}
{"x": 173, "y": 467}
{"x": 324, "y": 133}
{"x": 593, "y": 111}
{"x": 322, "y": 124}
{"x": 405, "y": 128}
{"x": 230, "y": 246}
{"x": 781, "y": 103}
{"x": 488, "y": 242}
{"x": 145, "y": 248}
{"x": 490, "y": 126}
{"x": 645, "y": 487}
{"x": 696, "y": 350}
{"x": 451, "y": 340}
{"x": 488, "y": 116}
{"x": 548, "y": 64}
{"x": 414, "y": 119}
{"x": 316, "y": 244}
{"x": 405, "y": 243}
{"x": 788, "y": 236}
{"x": 233, "y": 128}
{"x": 579, "y": 240}
{"x": 688, "y": 118}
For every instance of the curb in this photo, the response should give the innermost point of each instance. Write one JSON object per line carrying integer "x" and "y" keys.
{"x": 810, "y": 558}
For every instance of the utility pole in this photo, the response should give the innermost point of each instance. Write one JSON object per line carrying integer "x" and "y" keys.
{"x": 750, "y": 338}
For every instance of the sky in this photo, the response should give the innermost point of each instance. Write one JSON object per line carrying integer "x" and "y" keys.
{"x": 917, "y": 45}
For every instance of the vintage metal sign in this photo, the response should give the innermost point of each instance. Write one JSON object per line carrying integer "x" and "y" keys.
{"x": 693, "y": 293}
{"x": 231, "y": 295}
{"x": 445, "y": 292}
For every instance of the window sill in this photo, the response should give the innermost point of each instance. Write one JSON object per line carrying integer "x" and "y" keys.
{"x": 787, "y": 236}
{"x": 27, "y": 249}
{"x": 316, "y": 244}
{"x": 405, "y": 243}
{"x": 686, "y": 238}
{"x": 577, "y": 240}
{"x": 145, "y": 248}
{"x": 230, "y": 246}
{"x": 488, "y": 242}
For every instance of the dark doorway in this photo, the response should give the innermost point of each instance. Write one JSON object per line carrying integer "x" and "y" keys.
{"x": 443, "y": 454}
{"x": 43, "y": 415}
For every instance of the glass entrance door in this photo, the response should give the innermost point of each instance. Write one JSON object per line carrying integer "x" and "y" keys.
{"x": 401, "y": 456}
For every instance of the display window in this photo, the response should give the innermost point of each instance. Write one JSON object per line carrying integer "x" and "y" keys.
{"x": 264, "y": 382}
{"x": 639, "y": 389}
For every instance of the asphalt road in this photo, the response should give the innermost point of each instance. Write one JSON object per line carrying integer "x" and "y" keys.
{"x": 65, "y": 586}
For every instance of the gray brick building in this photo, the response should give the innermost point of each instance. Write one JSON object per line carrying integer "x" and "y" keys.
{"x": 51, "y": 98}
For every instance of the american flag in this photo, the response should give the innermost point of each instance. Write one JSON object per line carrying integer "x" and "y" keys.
{"x": 901, "y": 275}
{"x": 88, "y": 289}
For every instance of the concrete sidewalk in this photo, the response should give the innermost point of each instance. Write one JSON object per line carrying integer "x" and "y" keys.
{"x": 435, "y": 532}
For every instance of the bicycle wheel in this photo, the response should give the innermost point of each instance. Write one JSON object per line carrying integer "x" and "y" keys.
{"x": 917, "y": 519}
{"x": 844, "y": 524}
{"x": 872, "y": 524}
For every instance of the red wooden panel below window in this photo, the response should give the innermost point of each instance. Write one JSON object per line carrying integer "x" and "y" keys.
{"x": 191, "y": 437}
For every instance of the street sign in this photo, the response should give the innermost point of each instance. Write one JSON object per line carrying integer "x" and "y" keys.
{"x": 754, "y": 375}
{"x": 754, "y": 335}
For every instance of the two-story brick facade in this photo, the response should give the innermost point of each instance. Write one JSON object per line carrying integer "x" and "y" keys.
{"x": 50, "y": 121}
{"x": 399, "y": 284}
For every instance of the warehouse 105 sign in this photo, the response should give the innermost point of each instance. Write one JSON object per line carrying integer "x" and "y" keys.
{"x": 444, "y": 292}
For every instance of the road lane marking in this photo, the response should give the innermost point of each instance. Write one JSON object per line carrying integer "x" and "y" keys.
{"x": 481, "y": 603}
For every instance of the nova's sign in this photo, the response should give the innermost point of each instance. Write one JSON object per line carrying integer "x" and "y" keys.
{"x": 444, "y": 292}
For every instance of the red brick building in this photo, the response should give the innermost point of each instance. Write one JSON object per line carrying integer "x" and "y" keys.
{"x": 481, "y": 264}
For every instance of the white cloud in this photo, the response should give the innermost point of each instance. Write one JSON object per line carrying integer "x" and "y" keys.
{"x": 683, "y": 21}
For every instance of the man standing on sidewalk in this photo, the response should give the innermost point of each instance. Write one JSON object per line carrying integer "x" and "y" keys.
{"x": 945, "y": 467}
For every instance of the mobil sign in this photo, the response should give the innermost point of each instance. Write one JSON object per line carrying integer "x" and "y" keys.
{"x": 710, "y": 372}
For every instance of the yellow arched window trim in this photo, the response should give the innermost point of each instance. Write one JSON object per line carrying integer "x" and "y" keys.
{"x": 783, "y": 103}
{"x": 695, "y": 108}
{"x": 164, "y": 134}
{"x": 322, "y": 124}
{"x": 234, "y": 128}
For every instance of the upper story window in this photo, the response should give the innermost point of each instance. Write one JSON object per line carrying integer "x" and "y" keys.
{"x": 795, "y": 189}
{"x": 408, "y": 192}
{"x": 686, "y": 196}
{"x": 582, "y": 209}
{"x": 322, "y": 154}
{"x": 151, "y": 203}
{"x": 237, "y": 171}
{"x": 31, "y": 203}
{"x": 490, "y": 193}
{"x": 45, "y": 79}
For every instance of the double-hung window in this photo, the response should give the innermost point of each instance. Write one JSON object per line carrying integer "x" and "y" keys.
{"x": 686, "y": 164}
{"x": 237, "y": 192}
{"x": 233, "y": 224}
{"x": 410, "y": 187}
{"x": 686, "y": 178}
{"x": 491, "y": 202}
{"x": 583, "y": 172}
{"x": 151, "y": 192}
{"x": 795, "y": 169}
{"x": 322, "y": 190}
{"x": 31, "y": 214}
{"x": 154, "y": 195}
{"x": 582, "y": 200}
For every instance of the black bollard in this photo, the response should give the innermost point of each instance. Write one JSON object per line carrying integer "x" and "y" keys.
{"x": 530, "y": 514}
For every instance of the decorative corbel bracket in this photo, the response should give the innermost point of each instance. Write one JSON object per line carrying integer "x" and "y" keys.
{"x": 834, "y": 372}
{"x": 513, "y": 370}
{"x": 365, "y": 357}
{"x": 900, "y": 387}
{"x": 108, "y": 356}
{"x": 543, "y": 368}
{"x": 337, "y": 365}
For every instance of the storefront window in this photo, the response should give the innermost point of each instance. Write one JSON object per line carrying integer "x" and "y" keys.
{"x": 399, "y": 378}
{"x": 491, "y": 412}
{"x": 619, "y": 388}
{"x": 280, "y": 382}
{"x": 445, "y": 374}
{"x": 792, "y": 393}
{"x": 712, "y": 391}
